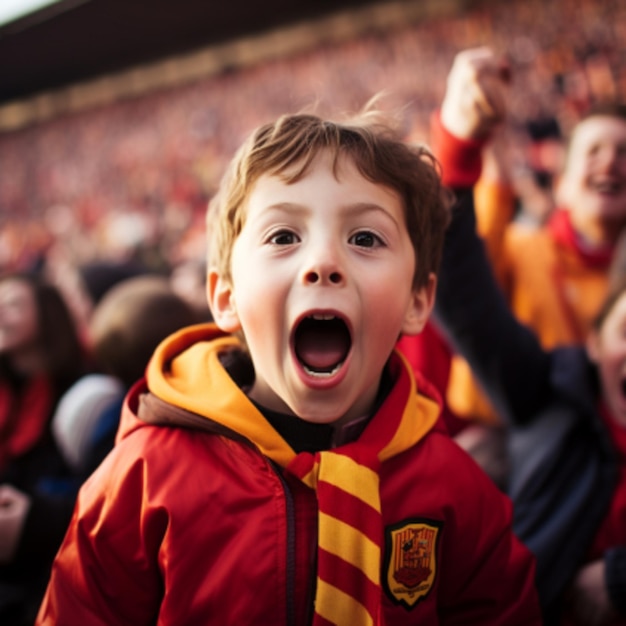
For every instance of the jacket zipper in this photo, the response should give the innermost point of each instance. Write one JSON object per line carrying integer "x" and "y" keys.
{"x": 291, "y": 548}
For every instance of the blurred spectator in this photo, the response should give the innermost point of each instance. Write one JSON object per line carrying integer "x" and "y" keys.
{"x": 564, "y": 407}
{"x": 566, "y": 413}
{"x": 188, "y": 280}
{"x": 40, "y": 358}
{"x": 555, "y": 275}
{"x": 126, "y": 326}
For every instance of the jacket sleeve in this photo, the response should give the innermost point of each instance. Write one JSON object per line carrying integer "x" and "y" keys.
{"x": 106, "y": 572}
{"x": 505, "y": 355}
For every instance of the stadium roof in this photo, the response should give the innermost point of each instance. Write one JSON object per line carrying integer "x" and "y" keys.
{"x": 56, "y": 43}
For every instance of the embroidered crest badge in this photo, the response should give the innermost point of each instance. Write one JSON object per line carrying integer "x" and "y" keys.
{"x": 411, "y": 560}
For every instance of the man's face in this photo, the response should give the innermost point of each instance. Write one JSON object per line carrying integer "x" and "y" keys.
{"x": 593, "y": 186}
{"x": 607, "y": 349}
{"x": 322, "y": 278}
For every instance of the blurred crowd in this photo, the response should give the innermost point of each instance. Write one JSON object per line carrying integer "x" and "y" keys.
{"x": 133, "y": 178}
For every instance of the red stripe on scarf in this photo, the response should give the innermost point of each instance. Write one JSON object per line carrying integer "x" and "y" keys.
{"x": 345, "y": 507}
{"x": 349, "y": 579}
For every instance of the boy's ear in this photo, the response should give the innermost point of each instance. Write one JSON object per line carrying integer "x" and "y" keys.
{"x": 222, "y": 302}
{"x": 420, "y": 307}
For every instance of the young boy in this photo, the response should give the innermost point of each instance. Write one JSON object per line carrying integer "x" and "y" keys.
{"x": 283, "y": 466}
{"x": 565, "y": 407}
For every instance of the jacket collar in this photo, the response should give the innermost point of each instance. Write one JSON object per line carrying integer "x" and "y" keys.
{"x": 186, "y": 372}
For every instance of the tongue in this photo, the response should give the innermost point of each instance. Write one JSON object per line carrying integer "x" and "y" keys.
{"x": 322, "y": 351}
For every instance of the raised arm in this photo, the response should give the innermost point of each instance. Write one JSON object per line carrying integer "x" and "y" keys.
{"x": 471, "y": 310}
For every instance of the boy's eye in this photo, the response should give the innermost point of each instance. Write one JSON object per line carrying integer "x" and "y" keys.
{"x": 365, "y": 239}
{"x": 283, "y": 238}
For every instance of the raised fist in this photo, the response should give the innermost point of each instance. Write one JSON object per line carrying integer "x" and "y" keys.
{"x": 476, "y": 94}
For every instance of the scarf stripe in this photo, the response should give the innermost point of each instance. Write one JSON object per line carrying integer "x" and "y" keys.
{"x": 351, "y": 545}
{"x": 352, "y": 477}
{"x": 348, "y": 559}
{"x": 336, "y": 607}
{"x": 341, "y": 575}
{"x": 350, "y": 510}
{"x": 320, "y": 621}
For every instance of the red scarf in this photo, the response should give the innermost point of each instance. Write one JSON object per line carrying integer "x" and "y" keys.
{"x": 562, "y": 231}
{"x": 23, "y": 418}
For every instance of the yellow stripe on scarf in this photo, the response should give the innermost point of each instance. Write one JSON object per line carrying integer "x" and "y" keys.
{"x": 347, "y": 475}
{"x": 351, "y": 545}
{"x": 339, "y": 608}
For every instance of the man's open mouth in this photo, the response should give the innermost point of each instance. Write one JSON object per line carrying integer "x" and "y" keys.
{"x": 322, "y": 343}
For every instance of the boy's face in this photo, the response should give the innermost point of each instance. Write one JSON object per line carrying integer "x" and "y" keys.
{"x": 322, "y": 278}
{"x": 607, "y": 348}
{"x": 593, "y": 186}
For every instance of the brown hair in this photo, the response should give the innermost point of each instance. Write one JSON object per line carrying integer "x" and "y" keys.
{"x": 288, "y": 146}
{"x": 612, "y": 109}
{"x": 605, "y": 109}
{"x": 131, "y": 320}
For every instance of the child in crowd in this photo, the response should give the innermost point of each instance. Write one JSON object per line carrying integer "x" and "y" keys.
{"x": 284, "y": 466}
{"x": 565, "y": 408}
{"x": 125, "y": 328}
{"x": 554, "y": 276}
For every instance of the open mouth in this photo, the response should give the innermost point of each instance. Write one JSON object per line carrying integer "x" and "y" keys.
{"x": 322, "y": 343}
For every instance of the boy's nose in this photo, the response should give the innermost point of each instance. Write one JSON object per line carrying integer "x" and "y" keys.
{"x": 323, "y": 268}
{"x": 319, "y": 276}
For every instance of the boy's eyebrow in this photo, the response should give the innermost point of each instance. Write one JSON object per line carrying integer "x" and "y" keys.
{"x": 352, "y": 210}
{"x": 355, "y": 208}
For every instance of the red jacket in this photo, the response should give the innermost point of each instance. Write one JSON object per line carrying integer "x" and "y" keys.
{"x": 181, "y": 525}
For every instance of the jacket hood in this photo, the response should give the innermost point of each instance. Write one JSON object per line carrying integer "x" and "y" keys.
{"x": 187, "y": 373}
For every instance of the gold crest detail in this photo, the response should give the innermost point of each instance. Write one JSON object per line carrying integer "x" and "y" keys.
{"x": 411, "y": 559}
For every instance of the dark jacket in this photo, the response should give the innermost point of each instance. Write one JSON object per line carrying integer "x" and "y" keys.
{"x": 563, "y": 464}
